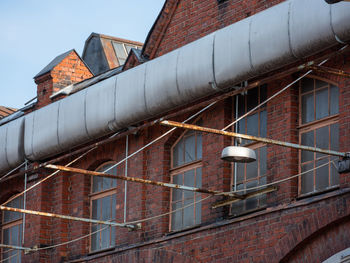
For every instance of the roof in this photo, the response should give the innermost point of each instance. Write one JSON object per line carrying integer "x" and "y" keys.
{"x": 57, "y": 60}
{"x": 102, "y": 52}
{"x": 5, "y": 111}
{"x": 159, "y": 27}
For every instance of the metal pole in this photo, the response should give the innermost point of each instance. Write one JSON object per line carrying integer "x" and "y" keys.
{"x": 254, "y": 138}
{"x": 236, "y": 129}
{"x": 126, "y": 174}
{"x": 139, "y": 180}
{"x": 31, "y": 212}
{"x": 15, "y": 247}
{"x": 24, "y": 202}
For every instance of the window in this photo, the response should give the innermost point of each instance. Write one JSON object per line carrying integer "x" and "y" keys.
{"x": 12, "y": 232}
{"x": 186, "y": 170}
{"x": 318, "y": 128}
{"x": 251, "y": 174}
{"x": 103, "y": 207}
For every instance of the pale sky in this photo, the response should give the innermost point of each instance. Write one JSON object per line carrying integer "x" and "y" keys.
{"x": 33, "y": 32}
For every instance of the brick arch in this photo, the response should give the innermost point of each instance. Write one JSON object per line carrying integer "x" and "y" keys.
{"x": 322, "y": 244}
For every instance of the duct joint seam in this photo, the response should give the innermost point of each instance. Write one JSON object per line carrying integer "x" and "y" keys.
{"x": 331, "y": 24}
{"x": 213, "y": 83}
{"x": 289, "y": 36}
{"x": 85, "y": 122}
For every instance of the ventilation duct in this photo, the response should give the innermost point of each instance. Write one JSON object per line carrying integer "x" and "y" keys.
{"x": 269, "y": 40}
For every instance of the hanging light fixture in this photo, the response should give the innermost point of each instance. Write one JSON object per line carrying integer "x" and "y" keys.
{"x": 238, "y": 154}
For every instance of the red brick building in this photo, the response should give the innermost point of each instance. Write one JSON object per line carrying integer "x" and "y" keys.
{"x": 294, "y": 218}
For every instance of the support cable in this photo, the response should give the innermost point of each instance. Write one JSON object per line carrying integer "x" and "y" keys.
{"x": 157, "y": 139}
{"x": 179, "y": 209}
{"x": 14, "y": 169}
{"x": 46, "y": 178}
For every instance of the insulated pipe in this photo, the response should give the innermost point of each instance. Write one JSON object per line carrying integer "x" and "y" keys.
{"x": 261, "y": 43}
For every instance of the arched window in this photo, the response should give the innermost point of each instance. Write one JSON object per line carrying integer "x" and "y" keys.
{"x": 186, "y": 169}
{"x": 11, "y": 232}
{"x": 249, "y": 175}
{"x": 103, "y": 207}
{"x": 318, "y": 127}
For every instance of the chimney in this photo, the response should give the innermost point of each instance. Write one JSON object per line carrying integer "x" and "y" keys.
{"x": 64, "y": 70}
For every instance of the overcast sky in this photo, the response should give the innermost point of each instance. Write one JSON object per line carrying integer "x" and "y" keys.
{"x": 33, "y": 32}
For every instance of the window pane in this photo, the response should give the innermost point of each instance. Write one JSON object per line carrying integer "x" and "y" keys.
{"x": 307, "y": 180}
{"x": 105, "y": 237}
{"x": 119, "y": 50}
{"x": 6, "y": 235}
{"x": 176, "y": 220}
{"x": 335, "y": 137}
{"x": 199, "y": 146}
{"x": 128, "y": 48}
{"x": 240, "y": 172}
{"x": 321, "y": 104}
{"x": 96, "y": 209}
{"x": 252, "y": 98}
{"x": 252, "y": 170}
{"x": 252, "y": 203}
{"x": 253, "y": 124}
{"x": 178, "y": 179}
{"x": 188, "y": 212}
{"x": 107, "y": 183}
{"x": 14, "y": 235}
{"x": 177, "y": 195}
{"x": 190, "y": 148}
{"x": 95, "y": 238}
{"x": 199, "y": 177}
{"x": 178, "y": 154}
{"x": 12, "y": 216}
{"x": 263, "y": 161}
{"x": 322, "y": 139}
{"x": 189, "y": 178}
{"x": 263, "y": 123}
{"x": 198, "y": 209}
{"x": 97, "y": 184}
{"x": 114, "y": 206}
{"x": 322, "y": 175}
{"x": 263, "y": 93}
{"x": 307, "y": 139}
{"x": 307, "y": 108}
{"x": 307, "y": 85}
{"x": 320, "y": 84}
{"x": 106, "y": 208}
{"x": 334, "y": 174}
{"x": 334, "y": 100}
{"x": 238, "y": 207}
{"x": 241, "y": 105}
{"x": 113, "y": 233}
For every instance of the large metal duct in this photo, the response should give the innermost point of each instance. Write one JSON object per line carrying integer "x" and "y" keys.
{"x": 256, "y": 45}
{"x": 11, "y": 144}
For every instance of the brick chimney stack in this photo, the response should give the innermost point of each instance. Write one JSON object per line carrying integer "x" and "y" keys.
{"x": 64, "y": 70}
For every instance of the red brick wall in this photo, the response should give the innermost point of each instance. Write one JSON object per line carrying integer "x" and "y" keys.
{"x": 289, "y": 230}
{"x": 270, "y": 235}
{"x": 69, "y": 71}
{"x": 186, "y": 21}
